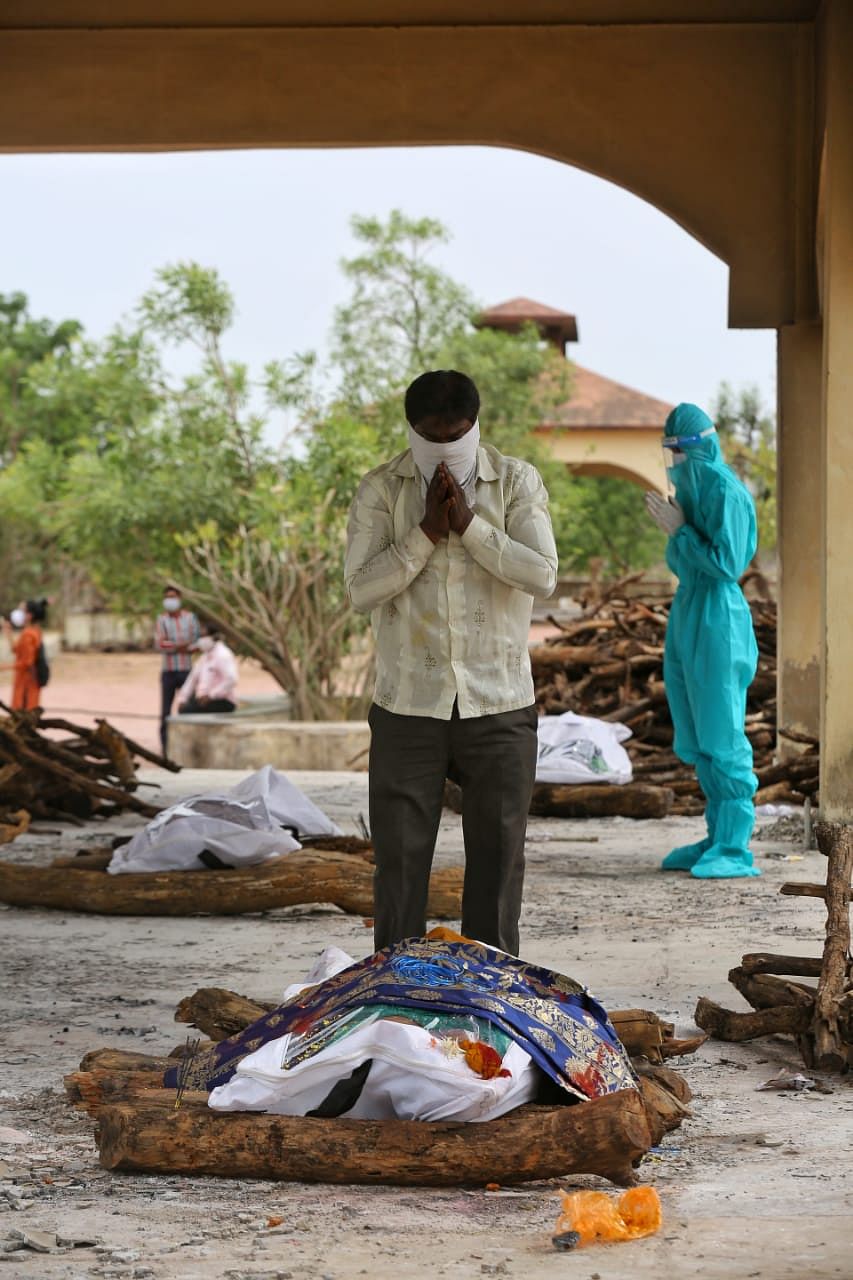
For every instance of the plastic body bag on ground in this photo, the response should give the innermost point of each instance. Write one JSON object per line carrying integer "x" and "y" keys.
{"x": 242, "y": 826}
{"x": 711, "y": 653}
{"x": 581, "y": 749}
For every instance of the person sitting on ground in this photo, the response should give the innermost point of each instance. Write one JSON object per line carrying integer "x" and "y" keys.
{"x": 24, "y": 635}
{"x": 210, "y": 685}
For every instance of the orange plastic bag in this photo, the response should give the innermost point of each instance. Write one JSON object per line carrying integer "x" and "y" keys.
{"x": 594, "y": 1216}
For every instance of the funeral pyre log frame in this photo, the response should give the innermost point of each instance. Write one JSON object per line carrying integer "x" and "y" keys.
{"x": 141, "y": 1129}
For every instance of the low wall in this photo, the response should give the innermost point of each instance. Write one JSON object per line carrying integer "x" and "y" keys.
{"x": 238, "y": 742}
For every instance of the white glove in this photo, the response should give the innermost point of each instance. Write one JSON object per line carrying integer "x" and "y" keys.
{"x": 666, "y": 513}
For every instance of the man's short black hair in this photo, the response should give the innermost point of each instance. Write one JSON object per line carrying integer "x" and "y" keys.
{"x": 445, "y": 395}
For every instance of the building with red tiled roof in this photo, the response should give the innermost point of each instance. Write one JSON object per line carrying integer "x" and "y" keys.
{"x": 558, "y": 327}
{"x": 605, "y": 427}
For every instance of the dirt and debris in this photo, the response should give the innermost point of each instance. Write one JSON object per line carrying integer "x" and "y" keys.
{"x": 756, "y": 1184}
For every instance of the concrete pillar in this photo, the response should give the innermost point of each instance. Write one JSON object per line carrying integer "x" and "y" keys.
{"x": 835, "y": 233}
{"x": 799, "y": 527}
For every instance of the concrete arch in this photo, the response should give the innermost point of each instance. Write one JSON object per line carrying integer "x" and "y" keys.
{"x": 629, "y": 453}
{"x": 639, "y": 105}
{"x": 617, "y": 472}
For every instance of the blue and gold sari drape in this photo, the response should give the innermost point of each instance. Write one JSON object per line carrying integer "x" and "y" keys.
{"x": 564, "y": 1029}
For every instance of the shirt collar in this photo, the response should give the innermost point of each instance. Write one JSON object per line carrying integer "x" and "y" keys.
{"x": 404, "y": 465}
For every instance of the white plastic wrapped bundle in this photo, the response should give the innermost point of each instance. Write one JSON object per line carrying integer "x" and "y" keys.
{"x": 255, "y": 820}
{"x": 581, "y": 749}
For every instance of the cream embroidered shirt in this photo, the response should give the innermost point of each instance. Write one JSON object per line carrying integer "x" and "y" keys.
{"x": 451, "y": 619}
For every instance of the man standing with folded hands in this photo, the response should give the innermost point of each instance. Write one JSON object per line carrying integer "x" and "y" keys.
{"x": 448, "y": 544}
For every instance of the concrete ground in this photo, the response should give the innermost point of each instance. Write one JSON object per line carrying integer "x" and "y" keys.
{"x": 757, "y": 1184}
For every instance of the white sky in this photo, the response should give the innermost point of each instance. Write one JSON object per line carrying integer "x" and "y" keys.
{"x": 83, "y": 234}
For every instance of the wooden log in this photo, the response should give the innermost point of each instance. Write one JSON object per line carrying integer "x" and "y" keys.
{"x": 14, "y": 825}
{"x": 191, "y": 1046}
{"x": 634, "y": 800}
{"x": 778, "y": 793}
{"x": 91, "y": 1091}
{"x": 219, "y": 1013}
{"x": 796, "y": 966}
{"x": 79, "y": 783}
{"x": 309, "y": 876}
{"x": 726, "y": 1024}
{"x": 355, "y": 845}
{"x": 791, "y": 890}
{"x": 605, "y": 1136}
{"x": 830, "y": 1053}
{"x": 92, "y": 737}
{"x": 671, "y": 1079}
{"x": 665, "y": 1093}
{"x": 764, "y": 991}
{"x": 122, "y": 1060}
{"x": 678, "y": 1048}
{"x": 664, "y": 1110}
{"x": 546, "y": 658}
{"x": 597, "y": 800}
{"x": 86, "y": 860}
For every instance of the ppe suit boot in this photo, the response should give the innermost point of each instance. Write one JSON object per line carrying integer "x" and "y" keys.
{"x": 685, "y": 856}
{"x": 729, "y": 857}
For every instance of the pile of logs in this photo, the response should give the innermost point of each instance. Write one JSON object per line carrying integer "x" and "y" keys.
{"x": 141, "y": 1129}
{"x": 609, "y": 664}
{"x": 819, "y": 1016}
{"x": 51, "y": 768}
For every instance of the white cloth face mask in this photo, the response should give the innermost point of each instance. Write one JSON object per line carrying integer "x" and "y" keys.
{"x": 17, "y": 617}
{"x": 171, "y": 604}
{"x": 459, "y": 456}
{"x": 205, "y": 643}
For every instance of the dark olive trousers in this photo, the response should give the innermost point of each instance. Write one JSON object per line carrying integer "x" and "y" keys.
{"x": 493, "y": 758}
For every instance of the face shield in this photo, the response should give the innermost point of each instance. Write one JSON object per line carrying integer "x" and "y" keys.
{"x": 674, "y": 451}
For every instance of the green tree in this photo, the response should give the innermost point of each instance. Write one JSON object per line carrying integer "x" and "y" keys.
{"x": 400, "y": 311}
{"x": 606, "y": 525}
{"x": 406, "y": 315}
{"x": 748, "y": 437}
{"x": 25, "y": 345}
{"x": 178, "y": 477}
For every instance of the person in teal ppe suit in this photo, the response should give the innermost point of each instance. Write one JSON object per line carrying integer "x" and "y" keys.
{"x": 711, "y": 655}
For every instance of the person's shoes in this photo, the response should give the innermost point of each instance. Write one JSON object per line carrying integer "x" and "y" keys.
{"x": 724, "y": 862}
{"x": 685, "y": 857}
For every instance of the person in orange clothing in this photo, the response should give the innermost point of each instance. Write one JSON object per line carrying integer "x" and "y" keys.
{"x": 25, "y": 644}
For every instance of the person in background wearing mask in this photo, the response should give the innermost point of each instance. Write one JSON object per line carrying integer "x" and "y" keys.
{"x": 175, "y": 631}
{"x": 711, "y": 654}
{"x": 447, "y": 545}
{"x": 24, "y": 635}
{"x": 213, "y": 680}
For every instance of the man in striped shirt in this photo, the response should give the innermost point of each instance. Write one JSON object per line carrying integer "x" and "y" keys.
{"x": 448, "y": 544}
{"x": 175, "y": 632}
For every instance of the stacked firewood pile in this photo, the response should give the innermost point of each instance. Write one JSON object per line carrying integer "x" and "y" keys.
{"x": 819, "y": 1016}
{"x": 609, "y": 664}
{"x": 51, "y": 768}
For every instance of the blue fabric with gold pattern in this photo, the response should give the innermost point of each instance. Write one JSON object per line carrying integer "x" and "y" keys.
{"x": 564, "y": 1029}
